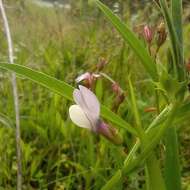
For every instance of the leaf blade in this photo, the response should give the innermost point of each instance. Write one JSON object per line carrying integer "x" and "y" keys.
{"x": 65, "y": 90}
{"x": 131, "y": 39}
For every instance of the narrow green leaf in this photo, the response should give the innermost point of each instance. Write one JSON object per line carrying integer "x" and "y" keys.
{"x": 130, "y": 163}
{"x": 156, "y": 124}
{"x": 64, "y": 90}
{"x": 135, "y": 110}
{"x": 177, "y": 13}
{"x": 175, "y": 43}
{"x": 111, "y": 184}
{"x": 135, "y": 163}
{"x": 131, "y": 39}
{"x": 155, "y": 178}
{"x": 172, "y": 166}
{"x": 177, "y": 19}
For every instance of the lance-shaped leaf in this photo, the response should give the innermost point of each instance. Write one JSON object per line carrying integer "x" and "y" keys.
{"x": 131, "y": 39}
{"x": 64, "y": 90}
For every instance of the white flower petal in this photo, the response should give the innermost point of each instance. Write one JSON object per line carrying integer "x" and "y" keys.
{"x": 78, "y": 117}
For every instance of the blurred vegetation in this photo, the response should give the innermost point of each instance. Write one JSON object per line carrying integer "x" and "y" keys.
{"x": 65, "y": 43}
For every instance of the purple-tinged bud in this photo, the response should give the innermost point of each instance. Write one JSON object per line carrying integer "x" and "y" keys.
{"x": 148, "y": 34}
{"x": 161, "y": 34}
{"x": 120, "y": 96}
{"x": 116, "y": 88}
{"x": 109, "y": 132}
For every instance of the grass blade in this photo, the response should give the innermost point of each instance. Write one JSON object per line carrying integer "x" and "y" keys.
{"x": 155, "y": 178}
{"x": 177, "y": 20}
{"x": 177, "y": 12}
{"x": 175, "y": 41}
{"x": 135, "y": 110}
{"x": 111, "y": 184}
{"x": 172, "y": 166}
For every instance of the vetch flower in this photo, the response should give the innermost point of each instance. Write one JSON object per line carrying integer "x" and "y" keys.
{"x": 86, "y": 114}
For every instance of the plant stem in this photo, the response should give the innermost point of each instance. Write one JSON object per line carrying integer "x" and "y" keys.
{"x": 15, "y": 96}
{"x": 135, "y": 110}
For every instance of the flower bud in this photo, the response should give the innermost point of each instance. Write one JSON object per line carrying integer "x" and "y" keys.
{"x": 116, "y": 88}
{"x": 148, "y": 34}
{"x": 161, "y": 34}
{"x": 120, "y": 96}
{"x": 109, "y": 132}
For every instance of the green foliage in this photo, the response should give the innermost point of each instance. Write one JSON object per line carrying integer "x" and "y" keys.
{"x": 64, "y": 44}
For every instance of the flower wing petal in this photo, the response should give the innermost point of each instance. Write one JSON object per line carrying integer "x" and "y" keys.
{"x": 78, "y": 117}
{"x": 78, "y": 98}
{"x": 91, "y": 101}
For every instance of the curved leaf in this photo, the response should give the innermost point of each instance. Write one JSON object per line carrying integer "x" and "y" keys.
{"x": 131, "y": 39}
{"x": 64, "y": 90}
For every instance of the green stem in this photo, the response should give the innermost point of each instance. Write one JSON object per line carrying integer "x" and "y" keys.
{"x": 138, "y": 122}
{"x": 157, "y": 101}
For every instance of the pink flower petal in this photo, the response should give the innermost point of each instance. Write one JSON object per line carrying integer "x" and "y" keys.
{"x": 91, "y": 102}
{"x": 85, "y": 76}
{"x": 78, "y": 98}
